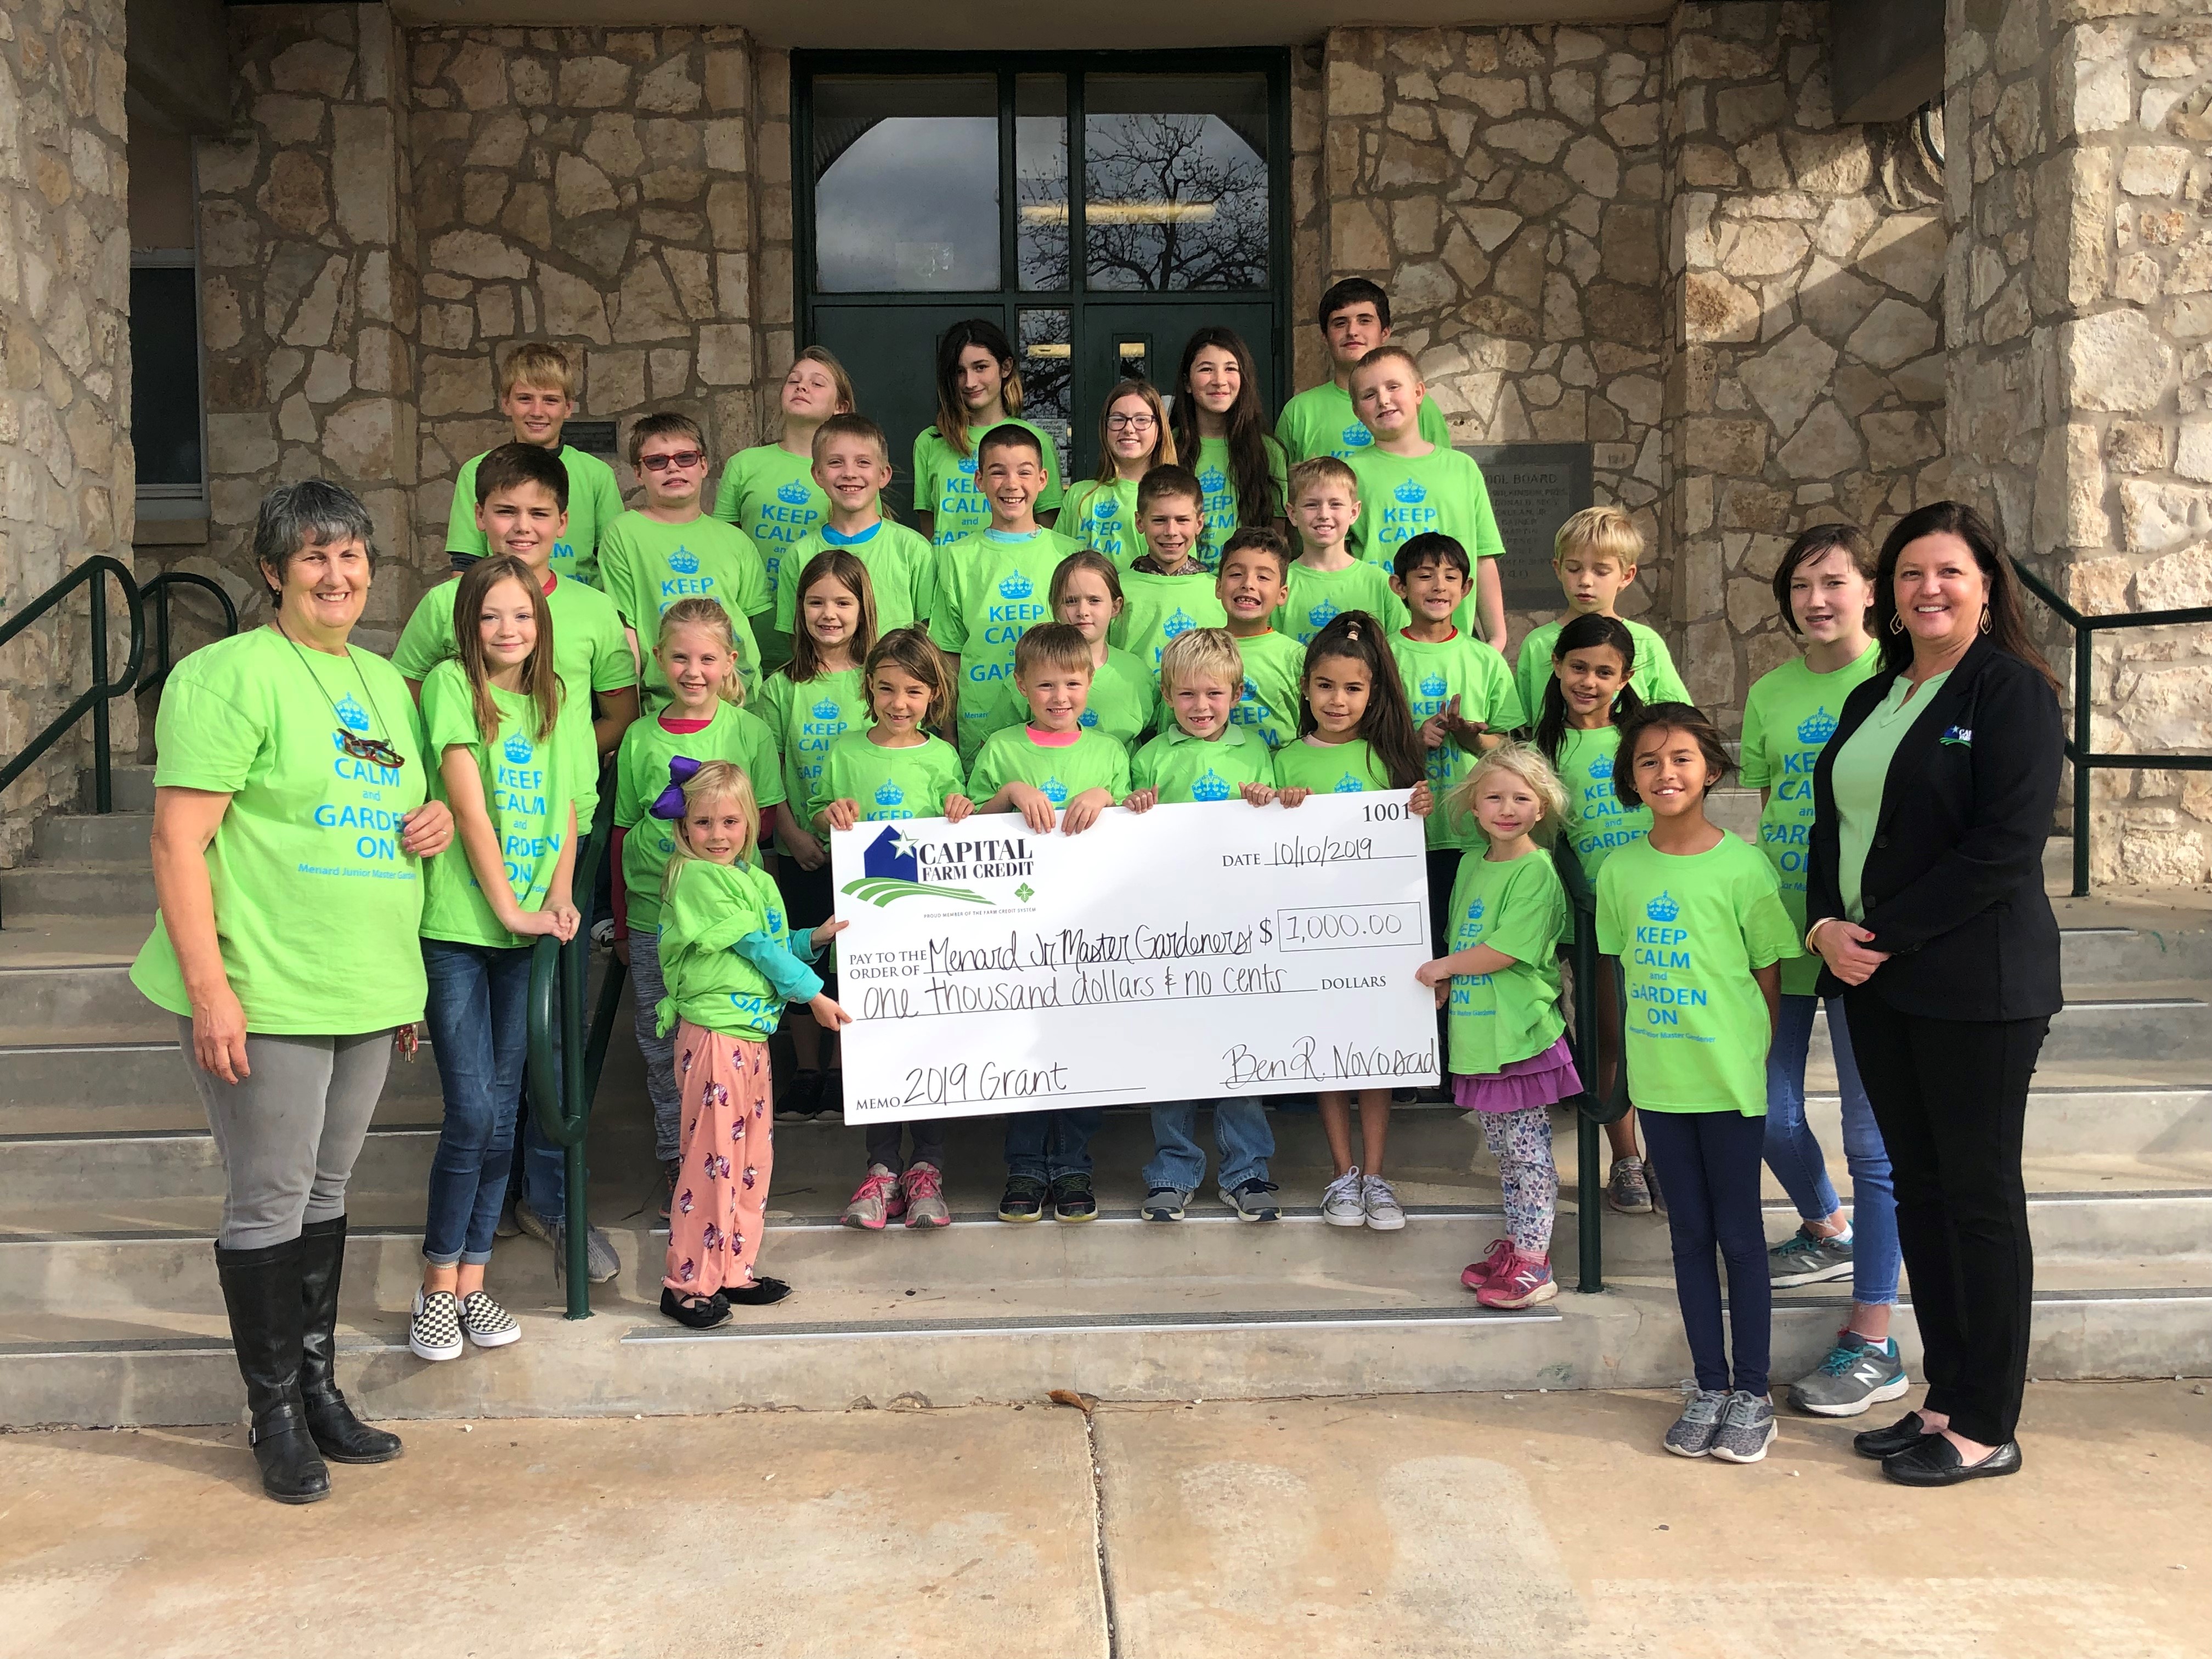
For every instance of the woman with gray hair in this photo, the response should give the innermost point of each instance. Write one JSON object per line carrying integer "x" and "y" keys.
{"x": 290, "y": 822}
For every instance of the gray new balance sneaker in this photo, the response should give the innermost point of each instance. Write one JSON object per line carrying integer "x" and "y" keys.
{"x": 1856, "y": 1375}
{"x": 1746, "y": 1430}
{"x": 1693, "y": 1431}
{"x": 1802, "y": 1259}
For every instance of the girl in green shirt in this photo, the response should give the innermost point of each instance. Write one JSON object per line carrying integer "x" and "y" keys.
{"x": 978, "y": 387}
{"x": 1221, "y": 432}
{"x": 1101, "y": 512}
{"x": 1087, "y": 594}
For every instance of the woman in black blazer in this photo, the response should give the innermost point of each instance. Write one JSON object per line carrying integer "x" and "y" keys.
{"x": 1924, "y": 896}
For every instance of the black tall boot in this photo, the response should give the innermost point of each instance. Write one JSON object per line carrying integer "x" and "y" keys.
{"x": 339, "y": 1435}
{"x": 261, "y": 1289}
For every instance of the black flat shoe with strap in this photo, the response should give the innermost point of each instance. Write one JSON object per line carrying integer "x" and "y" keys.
{"x": 1934, "y": 1461}
{"x": 698, "y": 1313}
{"x": 1903, "y": 1435}
{"x": 761, "y": 1293}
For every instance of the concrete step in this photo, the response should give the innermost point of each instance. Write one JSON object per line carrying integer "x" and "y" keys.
{"x": 58, "y": 1087}
{"x": 117, "y": 837}
{"x": 79, "y": 887}
{"x": 132, "y": 787}
{"x": 80, "y": 1003}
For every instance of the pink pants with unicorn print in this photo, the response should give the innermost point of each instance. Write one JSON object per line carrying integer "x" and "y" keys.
{"x": 719, "y": 1211}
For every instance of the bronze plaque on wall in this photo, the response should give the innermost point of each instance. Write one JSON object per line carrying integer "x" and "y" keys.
{"x": 1533, "y": 489}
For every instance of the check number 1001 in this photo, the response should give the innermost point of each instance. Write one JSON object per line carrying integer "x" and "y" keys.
{"x": 1351, "y": 926}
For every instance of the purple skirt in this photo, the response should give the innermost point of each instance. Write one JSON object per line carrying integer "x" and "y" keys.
{"x": 1542, "y": 1079}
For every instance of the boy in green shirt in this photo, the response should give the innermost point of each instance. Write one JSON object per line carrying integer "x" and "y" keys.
{"x": 991, "y": 587}
{"x": 1254, "y": 566}
{"x": 537, "y": 394}
{"x": 1355, "y": 319}
{"x": 1167, "y": 591}
{"x": 1409, "y": 485}
{"x": 1595, "y": 554}
{"x": 1325, "y": 580}
{"x": 851, "y": 465}
{"x": 522, "y": 508}
{"x": 670, "y": 549}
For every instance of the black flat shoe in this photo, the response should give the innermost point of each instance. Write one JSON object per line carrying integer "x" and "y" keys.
{"x": 700, "y": 1313}
{"x": 763, "y": 1293}
{"x": 1934, "y": 1461}
{"x": 1903, "y": 1435}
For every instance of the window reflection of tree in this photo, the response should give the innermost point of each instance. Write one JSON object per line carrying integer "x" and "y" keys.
{"x": 1048, "y": 382}
{"x": 1210, "y": 193}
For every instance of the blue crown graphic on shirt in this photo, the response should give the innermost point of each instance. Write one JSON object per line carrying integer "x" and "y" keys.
{"x": 1356, "y": 436}
{"x": 1089, "y": 717}
{"x": 1474, "y": 911}
{"x": 1349, "y": 785}
{"x": 794, "y": 492}
{"x": 889, "y": 795}
{"x": 826, "y": 710}
{"x": 775, "y": 918}
{"x": 1601, "y": 767}
{"x": 683, "y": 561}
{"x": 1209, "y": 786}
{"x": 1212, "y": 481}
{"x": 1322, "y": 614}
{"x": 1433, "y": 685}
{"x": 1817, "y": 727}
{"x": 1662, "y": 908}
{"x": 1251, "y": 690}
{"x": 1105, "y": 506}
{"x": 1410, "y": 493}
{"x": 1180, "y": 622}
{"x": 1017, "y": 586}
{"x": 352, "y": 716}
{"x": 1054, "y": 791}
{"x": 518, "y": 749}
{"x": 968, "y": 464}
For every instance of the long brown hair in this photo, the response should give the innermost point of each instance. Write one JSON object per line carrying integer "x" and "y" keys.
{"x": 2008, "y": 630}
{"x": 1387, "y": 724}
{"x": 833, "y": 563}
{"x": 1163, "y": 446}
{"x": 539, "y": 681}
{"x": 951, "y": 413}
{"x": 1258, "y": 501}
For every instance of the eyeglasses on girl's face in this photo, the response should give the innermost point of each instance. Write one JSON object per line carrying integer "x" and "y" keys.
{"x": 682, "y": 461}
{"x": 1129, "y": 423}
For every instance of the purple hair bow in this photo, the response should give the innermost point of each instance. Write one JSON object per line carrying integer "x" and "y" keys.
{"x": 669, "y": 803}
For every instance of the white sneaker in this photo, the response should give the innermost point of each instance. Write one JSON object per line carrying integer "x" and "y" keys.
{"x": 1340, "y": 1204}
{"x": 1380, "y": 1201}
{"x": 434, "y": 1328}
{"x": 487, "y": 1324}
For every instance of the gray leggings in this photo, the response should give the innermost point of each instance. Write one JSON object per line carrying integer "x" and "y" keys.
{"x": 290, "y": 1131}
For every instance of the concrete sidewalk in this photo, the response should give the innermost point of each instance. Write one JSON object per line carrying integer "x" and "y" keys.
{"x": 1438, "y": 1525}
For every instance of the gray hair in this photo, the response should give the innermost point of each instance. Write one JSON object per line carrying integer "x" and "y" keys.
{"x": 295, "y": 515}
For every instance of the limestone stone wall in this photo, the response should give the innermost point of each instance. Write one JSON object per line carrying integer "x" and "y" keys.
{"x": 2080, "y": 308}
{"x": 66, "y": 470}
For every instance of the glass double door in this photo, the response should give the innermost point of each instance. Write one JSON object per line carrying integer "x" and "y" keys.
{"x": 1100, "y": 215}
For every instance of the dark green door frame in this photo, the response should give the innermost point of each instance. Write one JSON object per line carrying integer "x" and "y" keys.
{"x": 1005, "y": 301}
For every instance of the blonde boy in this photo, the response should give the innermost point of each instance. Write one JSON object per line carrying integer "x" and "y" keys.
{"x": 1325, "y": 580}
{"x": 1595, "y": 556}
{"x": 537, "y": 394}
{"x": 852, "y": 467}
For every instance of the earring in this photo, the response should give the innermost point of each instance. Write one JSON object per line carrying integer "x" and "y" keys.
{"x": 1897, "y": 622}
{"x": 1985, "y": 619}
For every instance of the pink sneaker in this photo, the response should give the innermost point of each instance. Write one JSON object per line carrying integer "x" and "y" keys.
{"x": 1480, "y": 1274}
{"x": 921, "y": 1188}
{"x": 1521, "y": 1281}
{"x": 876, "y": 1202}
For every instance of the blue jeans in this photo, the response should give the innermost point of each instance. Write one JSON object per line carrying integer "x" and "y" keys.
{"x": 1240, "y": 1131}
{"x": 1794, "y": 1156}
{"x": 1046, "y": 1145}
{"x": 479, "y": 1032}
{"x": 1708, "y": 1164}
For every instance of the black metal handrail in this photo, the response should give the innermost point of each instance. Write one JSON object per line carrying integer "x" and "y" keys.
{"x": 95, "y": 698}
{"x": 154, "y": 595}
{"x": 1589, "y": 1185}
{"x": 2086, "y": 759}
{"x": 561, "y": 1094}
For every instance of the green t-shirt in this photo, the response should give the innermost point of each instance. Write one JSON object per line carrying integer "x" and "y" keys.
{"x": 1319, "y": 421}
{"x": 1471, "y": 671}
{"x": 1156, "y": 609}
{"x": 1689, "y": 931}
{"x": 1402, "y": 496}
{"x": 530, "y": 785}
{"x": 944, "y": 484}
{"x": 806, "y": 719}
{"x": 1597, "y": 824}
{"x": 1062, "y": 771}
{"x": 1103, "y": 517}
{"x": 1123, "y": 702}
{"x": 316, "y": 906}
{"x": 770, "y": 495}
{"x": 1183, "y": 767}
{"x": 1314, "y": 598}
{"x": 1787, "y": 720}
{"x": 991, "y": 590}
{"x": 1330, "y": 768}
{"x": 1653, "y": 678}
{"x": 647, "y": 566}
{"x": 715, "y": 906}
{"x": 735, "y": 735}
{"x": 594, "y": 502}
{"x": 900, "y": 569}
{"x": 1519, "y": 909}
{"x": 1862, "y": 773}
{"x": 889, "y": 783}
{"x": 1225, "y": 514}
{"x": 588, "y": 647}
{"x": 1268, "y": 706}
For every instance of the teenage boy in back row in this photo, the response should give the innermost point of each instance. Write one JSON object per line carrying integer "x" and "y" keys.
{"x": 1355, "y": 319}
{"x": 537, "y": 394}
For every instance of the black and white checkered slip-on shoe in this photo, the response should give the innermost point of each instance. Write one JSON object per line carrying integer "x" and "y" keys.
{"x": 487, "y": 1324}
{"x": 433, "y": 1330}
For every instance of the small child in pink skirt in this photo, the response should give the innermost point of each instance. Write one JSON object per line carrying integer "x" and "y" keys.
{"x": 730, "y": 965}
{"x": 1500, "y": 987}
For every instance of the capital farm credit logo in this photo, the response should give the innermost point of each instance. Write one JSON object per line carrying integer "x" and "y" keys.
{"x": 900, "y": 864}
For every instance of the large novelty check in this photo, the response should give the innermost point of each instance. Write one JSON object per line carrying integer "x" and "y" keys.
{"x": 1189, "y": 952}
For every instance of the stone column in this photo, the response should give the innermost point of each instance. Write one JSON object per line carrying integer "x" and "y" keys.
{"x": 66, "y": 472}
{"x": 2079, "y": 306}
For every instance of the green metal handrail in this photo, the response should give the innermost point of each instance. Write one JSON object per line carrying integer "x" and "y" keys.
{"x": 95, "y": 698}
{"x": 1589, "y": 1185}
{"x": 561, "y": 1094}
{"x": 2086, "y": 760}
